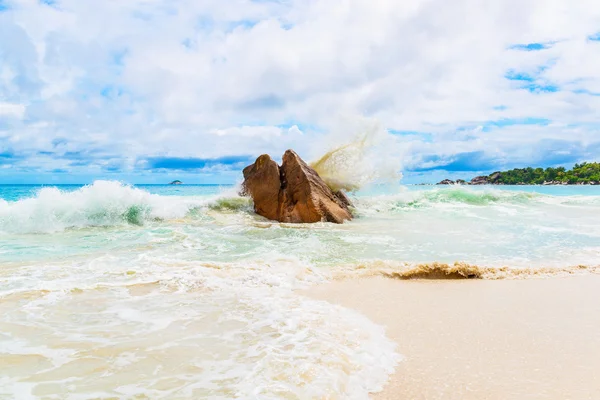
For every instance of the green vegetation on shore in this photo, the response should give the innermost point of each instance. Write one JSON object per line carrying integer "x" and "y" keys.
{"x": 584, "y": 173}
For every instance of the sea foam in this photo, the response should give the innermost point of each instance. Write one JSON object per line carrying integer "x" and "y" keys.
{"x": 103, "y": 203}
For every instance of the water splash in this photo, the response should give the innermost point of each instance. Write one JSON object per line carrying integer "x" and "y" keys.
{"x": 368, "y": 156}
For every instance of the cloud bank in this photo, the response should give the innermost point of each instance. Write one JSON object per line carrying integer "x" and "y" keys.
{"x": 144, "y": 89}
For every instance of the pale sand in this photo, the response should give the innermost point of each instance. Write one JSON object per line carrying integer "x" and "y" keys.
{"x": 476, "y": 339}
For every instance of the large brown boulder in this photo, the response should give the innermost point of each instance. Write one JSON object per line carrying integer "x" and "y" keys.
{"x": 305, "y": 197}
{"x": 262, "y": 182}
{"x": 292, "y": 193}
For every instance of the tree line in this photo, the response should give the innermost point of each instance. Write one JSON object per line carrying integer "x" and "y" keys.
{"x": 584, "y": 173}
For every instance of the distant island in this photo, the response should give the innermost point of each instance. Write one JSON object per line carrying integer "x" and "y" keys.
{"x": 176, "y": 183}
{"x": 581, "y": 174}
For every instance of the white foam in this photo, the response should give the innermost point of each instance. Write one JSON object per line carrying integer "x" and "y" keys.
{"x": 103, "y": 203}
{"x": 243, "y": 330}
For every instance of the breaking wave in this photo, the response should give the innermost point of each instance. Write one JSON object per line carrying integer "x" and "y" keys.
{"x": 464, "y": 196}
{"x": 472, "y": 197}
{"x": 111, "y": 203}
{"x": 103, "y": 204}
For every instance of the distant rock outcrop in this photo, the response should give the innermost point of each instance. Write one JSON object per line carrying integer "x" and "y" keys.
{"x": 581, "y": 174}
{"x": 176, "y": 183}
{"x": 495, "y": 177}
{"x": 293, "y": 192}
{"x": 480, "y": 180}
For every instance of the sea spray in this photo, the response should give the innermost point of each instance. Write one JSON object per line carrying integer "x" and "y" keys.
{"x": 361, "y": 153}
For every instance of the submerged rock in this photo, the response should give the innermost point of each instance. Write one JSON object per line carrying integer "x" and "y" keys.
{"x": 293, "y": 192}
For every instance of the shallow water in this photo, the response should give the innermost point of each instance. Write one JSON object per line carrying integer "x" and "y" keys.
{"x": 182, "y": 292}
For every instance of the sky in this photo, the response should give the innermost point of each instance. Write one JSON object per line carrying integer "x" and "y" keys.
{"x": 147, "y": 91}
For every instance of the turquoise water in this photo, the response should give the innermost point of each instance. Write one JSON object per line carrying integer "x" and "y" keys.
{"x": 106, "y": 288}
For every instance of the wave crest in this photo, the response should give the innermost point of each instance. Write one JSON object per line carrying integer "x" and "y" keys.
{"x": 414, "y": 200}
{"x": 101, "y": 204}
{"x": 473, "y": 197}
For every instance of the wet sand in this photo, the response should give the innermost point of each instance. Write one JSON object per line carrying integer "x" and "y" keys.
{"x": 477, "y": 339}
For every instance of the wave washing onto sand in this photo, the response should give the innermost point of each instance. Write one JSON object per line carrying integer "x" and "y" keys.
{"x": 104, "y": 204}
{"x": 164, "y": 325}
{"x": 457, "y": 270}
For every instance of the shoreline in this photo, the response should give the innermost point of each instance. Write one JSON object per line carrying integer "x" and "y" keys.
{"x": 483, "y": 339}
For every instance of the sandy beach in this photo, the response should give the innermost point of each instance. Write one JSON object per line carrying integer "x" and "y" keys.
{"x": 478, "y": 339}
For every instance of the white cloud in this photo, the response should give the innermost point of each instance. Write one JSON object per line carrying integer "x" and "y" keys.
{"x": 12, "y": 110}
{"x": 249, "y": 131}
{"x": 129, "y": 79}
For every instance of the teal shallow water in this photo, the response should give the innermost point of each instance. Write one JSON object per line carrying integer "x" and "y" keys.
{"x": 515, "y": 226}
{"x": 105, "y": 288}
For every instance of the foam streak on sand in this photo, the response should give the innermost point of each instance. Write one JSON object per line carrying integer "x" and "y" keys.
{"x": 457, "y": 270}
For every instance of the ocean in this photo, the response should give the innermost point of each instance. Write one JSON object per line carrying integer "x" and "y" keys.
{"x": 182, "y": 292}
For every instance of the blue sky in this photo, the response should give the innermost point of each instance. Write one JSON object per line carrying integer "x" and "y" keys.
{"x": 151, "y": 91}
